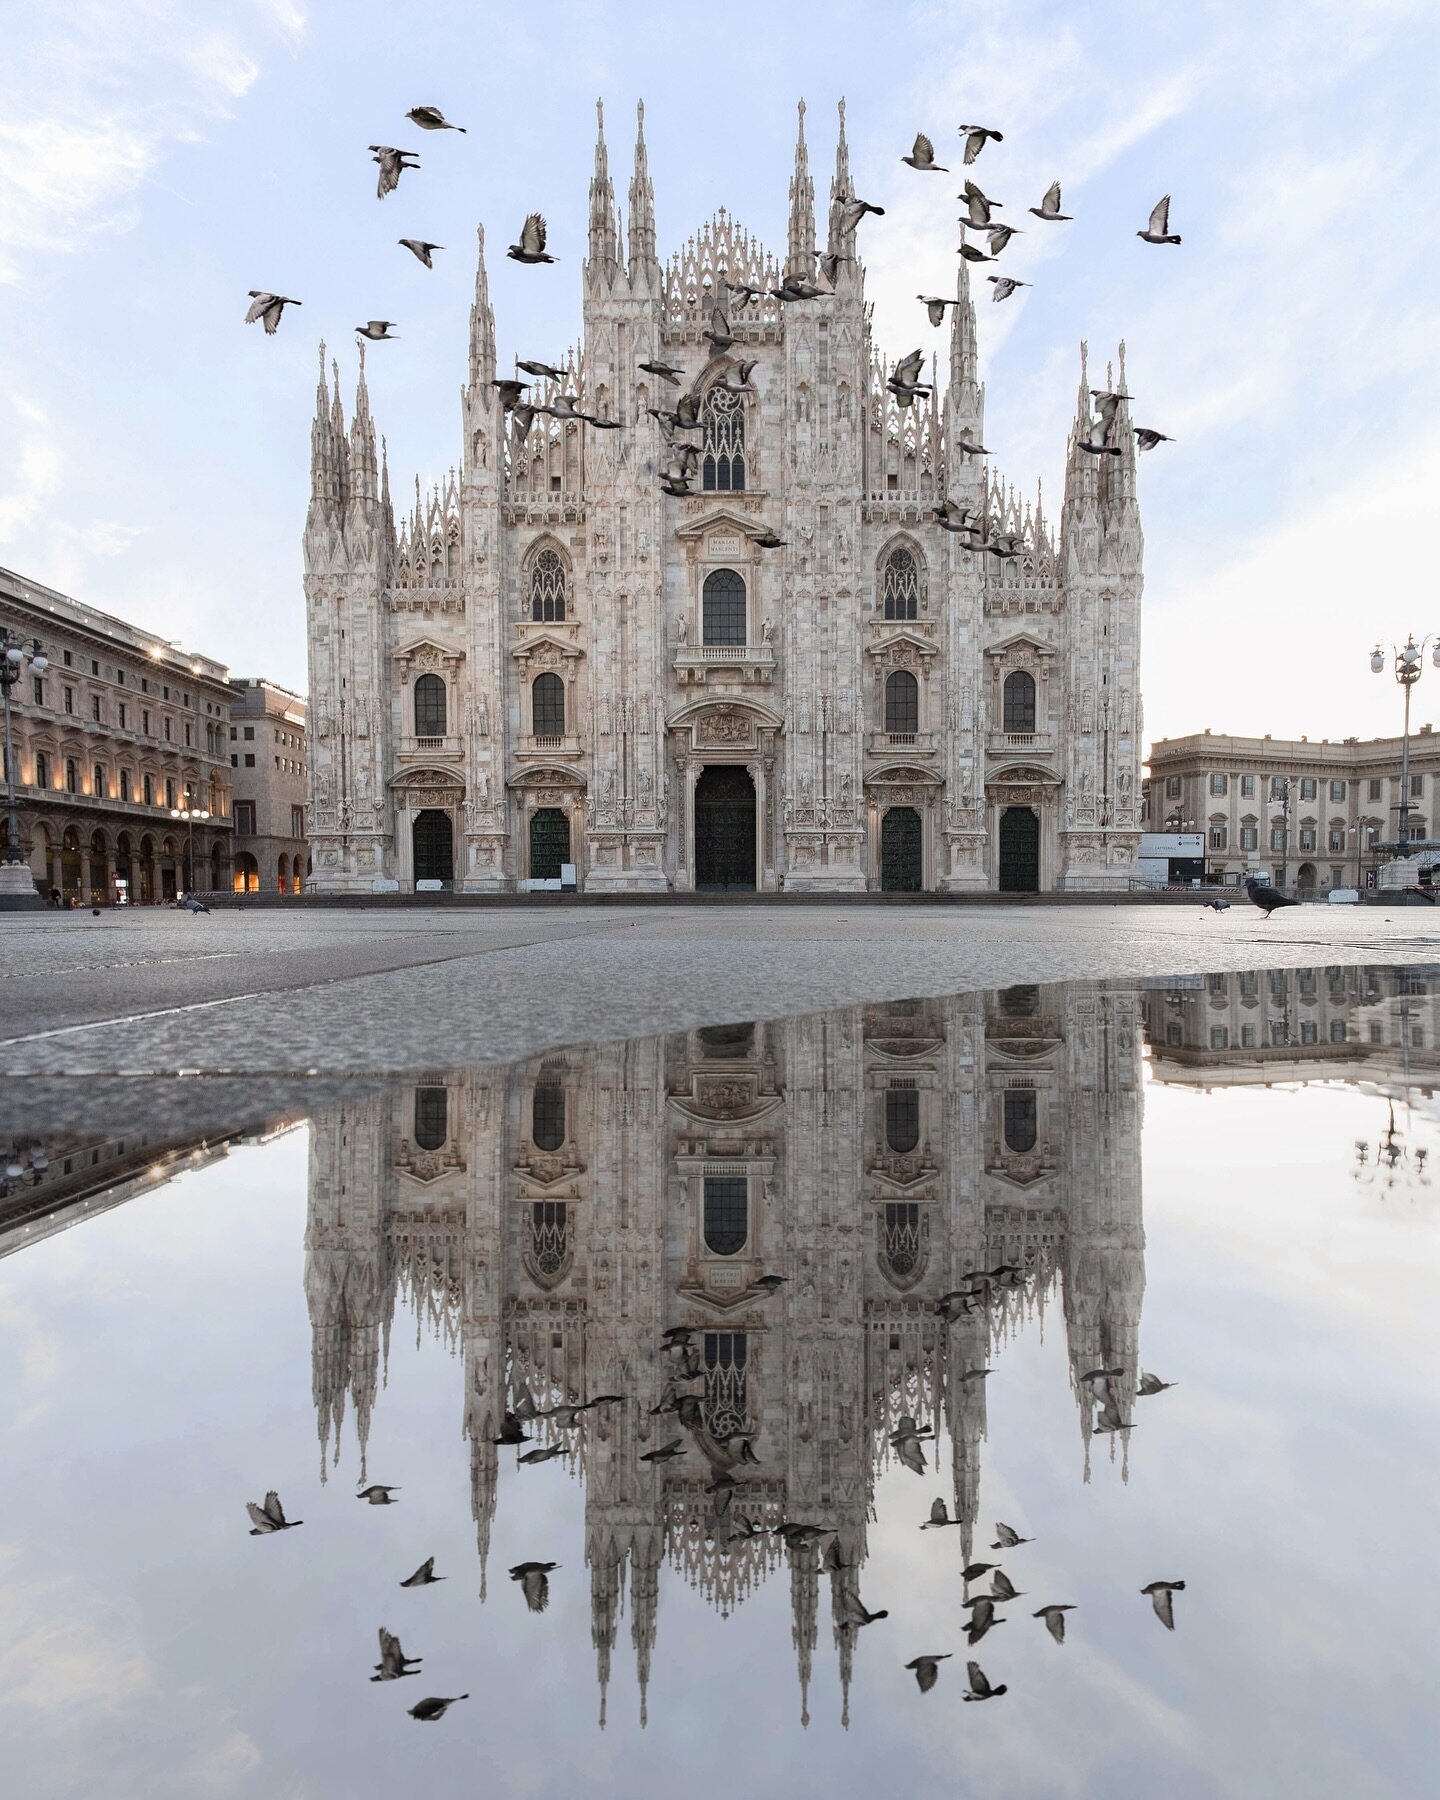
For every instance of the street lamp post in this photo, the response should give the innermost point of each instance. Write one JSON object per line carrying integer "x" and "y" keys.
{"x": 189, "y": 814}
{"x": 17, "y": 884}
{"x": 1409, "y": 658}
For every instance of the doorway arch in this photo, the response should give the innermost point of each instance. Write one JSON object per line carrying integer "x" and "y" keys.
{"x": 901, "y": 851}
{"x": 1305, "y": 878}
{"x": 549, "y": 843}
{"x": 433, "y": 842}
{"x": 1019, "y": 850}
{"x": 725, "y": 829}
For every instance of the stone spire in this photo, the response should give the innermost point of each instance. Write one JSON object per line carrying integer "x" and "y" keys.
{"x": 642, "y": 210}
{"x": 839, "y": 189}
{"x": 604, "y": 249}
{"x": 322, "y": 459}
{"x": 1079, "y": 514}
{"x": 965, "y": 399}
{"x": 482, "y": 322}
{"x": 339, "y": 447}
{"x": 804, "y": 1594}
{"x": 800, "y": 251}
{"x": 363, "y": 469}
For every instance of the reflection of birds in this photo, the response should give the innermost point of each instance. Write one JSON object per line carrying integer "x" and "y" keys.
{"x": 424, "y": 1576}
{"x": 547, "y": 1454}
{"x": 433, "y": 1706}
{"x": 534, "y": 1579}
{"x": 511, "y": 1431}
{"x": 1162, "y": 1598}
{"x": 973, "y": 1571}
{"x": 268, "y": 309}
{"x": 378, "y": 1494}
{"x": 419, "y": 248}
{"x": 393, "y": 164}
{"x": 377, "y": 330}
{"x": 853, "y": 1613}
{"x": 1110, "y": 1419}
{"x": 980, "y": 1688}
{"x": 430, "y": 118}
{"x": 1152, "y": 1384}
{"x": 1049, "y": 207}
{"x": 666, "y": 1452}
{"x": 939, "y": 1516}
{"x": 1267, "y": 898}
{"x": 1158, "y": 230}
{"x": 1007, "y": 1537}
{"x": 970, "y": 1375}
{"x": 394, "y": 1664}
{"x": 531, "y": 248}
{"x": 269, "y": 1517}
{"x": 927, "y": 1669}
{"x": 1054, "y": 1617}
{"x": 922, "y": 156}
{"x": 1002, "y": 1587}
{"x": 983, "y": 1617}
{"x": 976, "y": 137}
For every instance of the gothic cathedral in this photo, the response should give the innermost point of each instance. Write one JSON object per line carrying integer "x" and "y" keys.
{"x": 552, "y": 662}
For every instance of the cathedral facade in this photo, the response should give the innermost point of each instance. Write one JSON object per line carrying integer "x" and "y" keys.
{"x": 549, "y": 661}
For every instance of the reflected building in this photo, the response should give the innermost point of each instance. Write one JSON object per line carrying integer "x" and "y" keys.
{"x": 555, "y": 1218}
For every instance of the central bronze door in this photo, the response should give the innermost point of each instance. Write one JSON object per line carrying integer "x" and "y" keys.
{"x": 1019, "y": 851}
{"x": 725, "y": 829}
{"x": 901, "y": 854}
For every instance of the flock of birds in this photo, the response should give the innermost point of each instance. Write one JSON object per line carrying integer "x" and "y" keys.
{"x": 680, "y": 462}
{"x": 729, "y": 1454}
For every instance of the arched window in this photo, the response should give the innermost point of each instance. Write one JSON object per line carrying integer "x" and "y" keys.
{"x": 1020, "y": 701}
{"x": 727, "y": 1214}
{"x": 902, "y": 1118}
{"x": 902, "y": 702}
{"x": 547, "y": 1115}
{"x": 429, "y": 706}
{"x": 900, "y": 586}
{"x": 432, "y": 1117}
{"x": 1020, "y": 1119}
{"x": 727, "y": 1398}
{"x": 547, "y": 699}
{"x": 723, "y": 611}
{"x": 722, "y": 452}
{"x": 547, "y": 588}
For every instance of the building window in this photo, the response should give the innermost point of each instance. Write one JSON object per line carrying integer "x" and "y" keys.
{"x": 122, "y": 715}
{"x": 723, "y": 611}
{"x": 167, "y": 731}
{"x": 1337, "y": 790}
{"x": 39, "y": 688}
{"x": 1417, "y": 782}
{"x": 1277, "y": 787}
{"x": 170, "y": 792}
{"x": 1174, "y": 1036}
{"x": 727, "y": 1214}
{"x": 902, "y": 1118}
{"x": 900, "y": 586}
{"x": 149, "y": 790}
{"x": 547, "y": 1115}
{"x": 1218, "y": 836}
{"x": 1277, "y": 837}
{"x": 1337, "y": 1031}
{"x": 1247, "y": 787}
{"x": 722, "y": 417}
{"x": 297, "y": 821}
{"x": 547, "y": 589}
{"x": 1247, "y": 1037}
{"x": 547, "y": 706}
{"x": 430, "y": 706}
{"x": 1337, "y": 838}
{"x": 125, "y": 784}
{"x": 68, "y": 659}
{"x": 1219, "y": 1038}
{"x": 249, "y": 759}
{"x": 1020, "y": 1119}
{"x": 1174, "y": 787}
{"x": 72, "y": 776}
{"x": 1307, "y": 837}
{"x": 245, "y": 818}
{"x": 1249, "y": 837}
{"x": 233, "y": 734}
{"x": 1219, "y": 784}
{"x": 97, "y": 784}
{"x": 42, "y": 769}
{"x": 67, "y": 695}
{"x": 549, "y": 1235}
{"x": 1018, "y": 701}
{"x": 1308, "y": 787}
{"x": 1337, "y": 875}
{"x": 95, "y": 708}
{"x": 249, "y": 734}
{"x": 901, "y": 1242}
{"x": 1376, "y": 789}
{"x": 432, "y": 1110}
{"x": 902, "y": 703}
{"x": 727, "y": 1405}
{"x": 187, "y": 733}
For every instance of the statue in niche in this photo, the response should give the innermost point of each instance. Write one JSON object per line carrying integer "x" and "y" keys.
{"x": 645, "y": 787}
{"x": 1087, "y": 712}
{"x": 482, "y": 717}
{"x": 681, "y": 630}
{"x": 767, "y": 631}
{"x": 845, "y": 790}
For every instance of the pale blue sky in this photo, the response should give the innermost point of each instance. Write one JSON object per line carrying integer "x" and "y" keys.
{"x": 160, "y": 157}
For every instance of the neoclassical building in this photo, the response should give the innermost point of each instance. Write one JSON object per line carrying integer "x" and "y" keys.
{"x": 554, "y": 1219}
{"x": 550, "y": 661}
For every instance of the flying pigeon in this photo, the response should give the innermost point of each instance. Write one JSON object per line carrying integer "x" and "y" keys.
{"x": 268, "y": 308}
{"x": 534, "y": 1579}
{"x": 666, "y": 1452}
{"x": 393, "y": 164}
{"x": 1267, "y": 898}
{"x": 972, "y": 255}
{"x": 531, "y": 248}
{"x": 511, "y": 1431}
{"x": 510, "y": 392}
{"x": 922, "y": 156}
{"x": 767, "y": 540}
{"x": 967, "y": 446}
{"x": 546, "y": 371}
{"x": 1158, "y": 230}
{"x": 927, "y": 1669}
{"x": 377, "y": 330}
{"x": 378, "y": 1494}
{"x": 433, "y": 1707}
{"x": 742, "y": 293}
{"x": 269, "y": 1517}
{"x": 424, "y": 1576}
{"x": 1162, "y": 1598}
{"x": 1146, "y": 439}
{"x": 1054, "y": 1617}
{"x": 419, "y": 248}
{"x": 934, "y": 307}
{"x": 939, "y": 1515}
{"x": 1006, "y": 1537}
{"x": 1152, "y": 1384}
{"x": 547, "y": 1454}
{"x": 853, "y": 210}
{"x": 980, "y": 1688}
{"x": 830, "y": 261}
{"x": 975, "y": 138}
{"x": 973, "y": 1571}
{"x": 665, "y": 371}
{"x": 1002, "y": 1587}
{"x": 1005, "y": 286}
{"x": 978, "y": 206}
{"x": 1049, "y": 207}
{"x": 394, "y": 1663}
{"x": 1000, "y": 236}
{"x": 430, "y": 118}
{"x": 854, "y": 1614}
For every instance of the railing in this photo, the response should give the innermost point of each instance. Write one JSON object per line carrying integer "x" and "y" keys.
{"x": 900, "y": 737}
{"x": 725, "y": 652}
{"x": 429, "y": 743}
{"x": 548, "y": 741}
{"x": 1019, "y": 740}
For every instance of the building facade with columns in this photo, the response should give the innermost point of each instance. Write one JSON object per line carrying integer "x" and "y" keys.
{"x": 549, "y": 661}
{"x": 121, "y": 732}
{"x": 269, "y": 769}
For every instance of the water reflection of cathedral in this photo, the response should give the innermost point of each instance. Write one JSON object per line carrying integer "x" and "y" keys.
{"x": 556, "y": 1217}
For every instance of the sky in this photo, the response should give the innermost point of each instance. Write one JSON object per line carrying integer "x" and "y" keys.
{"x": 160, "y": 158}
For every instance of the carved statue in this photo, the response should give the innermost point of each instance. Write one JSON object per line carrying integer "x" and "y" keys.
{"x": 767, "y": 631}
{"x": 681, "y": 631}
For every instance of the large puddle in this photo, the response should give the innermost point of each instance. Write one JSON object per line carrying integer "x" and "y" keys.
{"x": 838, "y": 1270}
